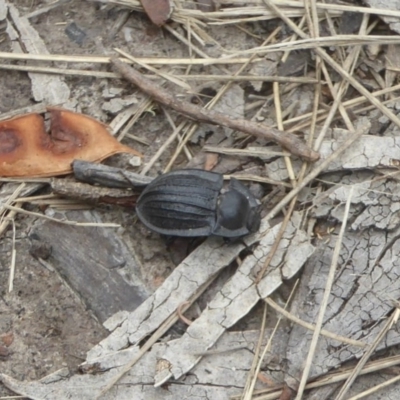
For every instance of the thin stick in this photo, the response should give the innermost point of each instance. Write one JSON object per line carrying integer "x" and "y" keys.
{"x": 289, "y": 141}
{"x": 325, "y": 299}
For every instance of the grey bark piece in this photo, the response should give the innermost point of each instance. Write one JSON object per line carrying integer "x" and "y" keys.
{"x": 231, "y": 104}
{"x": 237, "y": 297}
{"x": 3, "y": 10}
{"x": 95, "y": 263}
{"x": 394, "y": 5}
{"x": 47, "y": 88}
{"x": 376, "y": 202}
{"x": 202, "y": 264}
{"x": 216, "y": 377}
{"x": 365, "y": 286}
{"x": 369, "y": 152}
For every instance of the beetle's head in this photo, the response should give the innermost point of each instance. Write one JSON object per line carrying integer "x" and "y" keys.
{"x": 238, "y": 212}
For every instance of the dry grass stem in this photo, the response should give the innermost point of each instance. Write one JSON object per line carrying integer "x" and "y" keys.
{"x": 278, "y": 113}
{"x": 161, "y": 74}
{"x": 177, "y": 79}
{"x": 311, "y": 327}
{"x": 325, "y": 299}
{"x": 339, "y": 90}
{"x": 254, "y": 8}
{"x": 316, "y": 44}
{"x": 6, "y": 219}
{"x": 13, "y": 257}
{"x": 192, "y": 47}
{"x": 375, "y": 388}
{"x": 292, "y": 39}
{"x": 316, "y": 171}
{"x": 61, "y": 221}
{"x": 389, "y": 323}
{"x": 257, "y": 178}
{"x": 37, "y": 108}
{"x": 144, "y": 105}
{"x": 12, "y": 198}
{"x": 106, "y": 60}
{"x": 339, "y": 376}
{"x": 347, "y": 104}
{"x": 252, "y": 375}
{"x": 193, "y": 126}
{"x": 250, "y": 390}
{"x": 289, "y": 141}
{"x": 161, "y": 150}
{"x": 340, "y": 70}
{"x": 179, "y": 137}
{"x": 245, "y": 152}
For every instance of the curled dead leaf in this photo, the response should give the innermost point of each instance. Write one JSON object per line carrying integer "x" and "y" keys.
{"x": 27, "y": 150}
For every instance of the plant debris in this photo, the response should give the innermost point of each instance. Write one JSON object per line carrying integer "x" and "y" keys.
{"x": 26, "y": 150}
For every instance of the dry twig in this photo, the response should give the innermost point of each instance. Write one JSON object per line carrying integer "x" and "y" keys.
{"x": 289, "y": 141}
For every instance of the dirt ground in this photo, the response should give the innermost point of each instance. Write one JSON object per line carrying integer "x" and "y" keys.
{"x": 46, "y": 323}
{"x": 49, "y": 324}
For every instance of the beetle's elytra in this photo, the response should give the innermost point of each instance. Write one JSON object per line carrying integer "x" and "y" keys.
{"x": 192, "y": 202}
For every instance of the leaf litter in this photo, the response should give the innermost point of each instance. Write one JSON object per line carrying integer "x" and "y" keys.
{"x": 355, "y": 167}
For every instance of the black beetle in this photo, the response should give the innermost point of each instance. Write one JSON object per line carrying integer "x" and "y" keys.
{"x": 192, "y": 202}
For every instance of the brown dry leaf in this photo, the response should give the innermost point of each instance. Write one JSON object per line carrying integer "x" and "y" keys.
{"x": 27, "y": 150}
{"x": 158, "y": 11}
